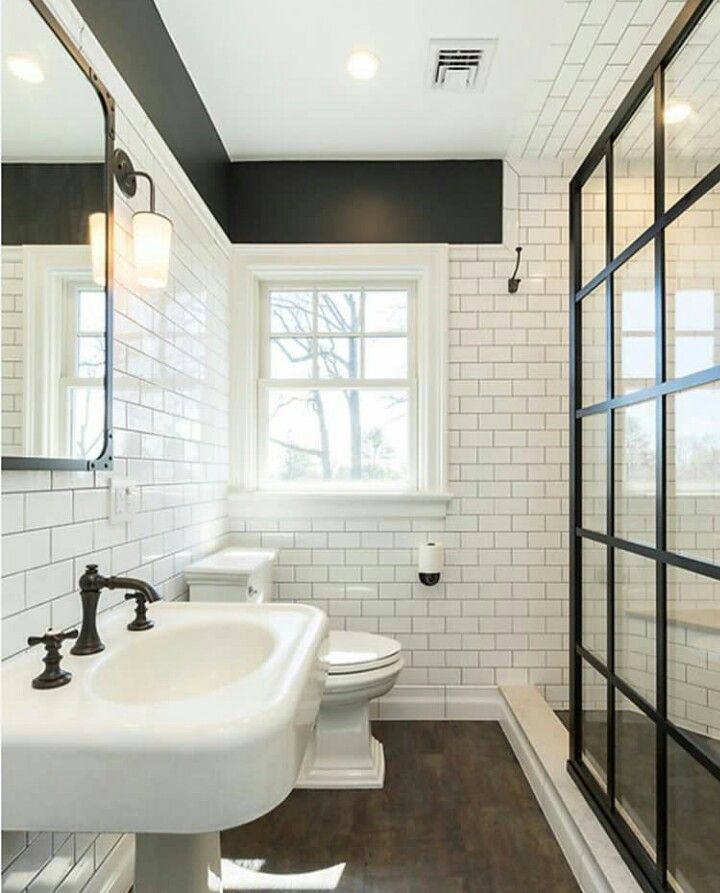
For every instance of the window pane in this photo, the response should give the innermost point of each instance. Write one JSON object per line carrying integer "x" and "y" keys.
{"x": 594, "y": 472}
{"x": 693, "y": 288}
{"x": 635, "y": 472}
{"x": 635, "y": 769}
{"x": 87, "y": 422}
{"x": 291, "y": 358}
{"x": 338, "y": 357}
{"x": 91, "y": 311}
{"x": 694, "y": 657}
{"x": 633, "y": 184}
{"x": 693, "y": 808}
{"x": 91, "y": 356}
{"x": 592, "y": 310}
{"x": 291, "y": 311}
{"x": 386, "y": 311}
{"x": 634, "y": 323}
{"x": 693, "y": 447}
{"x": 594, "y": 723}
{"x": 386, "y": 358}
{"x": 692, "y": 106}
{"x": 594, "y": 598}
{"x": 593, "y": 223}
{"x": 338, "y": 435}
{"x": 339, "y": 311}
{"x": 635, "y": 622}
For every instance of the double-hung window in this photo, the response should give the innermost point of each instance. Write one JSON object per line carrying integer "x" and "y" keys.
{"x": 339, "y": 377}
{"x": 337, "y": 394}
{"x": 82, "y": 370}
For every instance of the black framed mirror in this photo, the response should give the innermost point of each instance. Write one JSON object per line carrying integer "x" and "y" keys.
{"x": 57, "y": 248}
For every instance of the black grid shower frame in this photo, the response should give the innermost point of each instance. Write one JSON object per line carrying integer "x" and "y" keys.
{"x": 652, "y": 875}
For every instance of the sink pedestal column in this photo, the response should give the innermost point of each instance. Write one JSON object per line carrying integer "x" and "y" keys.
{"x": 177, "y": 863}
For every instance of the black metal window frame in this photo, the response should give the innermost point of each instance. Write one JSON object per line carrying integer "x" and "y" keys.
{"x": 104, "y": 461}
{"x": 651, "y": 875}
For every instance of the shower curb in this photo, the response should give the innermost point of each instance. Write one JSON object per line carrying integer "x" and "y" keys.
{"x": 540, "y": 743}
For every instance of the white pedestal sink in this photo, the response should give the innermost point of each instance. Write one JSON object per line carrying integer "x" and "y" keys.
{"x": 174, "y": 733}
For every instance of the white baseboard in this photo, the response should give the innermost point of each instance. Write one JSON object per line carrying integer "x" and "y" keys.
{"x": 417, "y": 702}
{"x": 116, "y": 872}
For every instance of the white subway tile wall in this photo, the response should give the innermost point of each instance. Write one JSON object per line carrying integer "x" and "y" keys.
{"x": 599, "y": 47}
{"x": 500, "y": 613}
{"x": 171, "y": 438}
{"x": 12, "y": 350}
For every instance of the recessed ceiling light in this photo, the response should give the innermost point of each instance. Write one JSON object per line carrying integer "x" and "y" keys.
{"x": 25, "y": 68}
{"x": 677, "y": 112}
{"x": 362, "y": 65}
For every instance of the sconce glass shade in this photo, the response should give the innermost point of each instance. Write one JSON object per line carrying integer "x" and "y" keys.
{"x": 97, "y": 225}
{"x": 152, "y": 240}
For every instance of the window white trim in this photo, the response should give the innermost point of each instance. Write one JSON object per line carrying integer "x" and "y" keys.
{"x": 427, "y": 267}
{"x": 46, "y": 271}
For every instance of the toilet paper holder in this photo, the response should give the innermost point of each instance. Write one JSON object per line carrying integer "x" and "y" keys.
{"x": 430, "y": 559}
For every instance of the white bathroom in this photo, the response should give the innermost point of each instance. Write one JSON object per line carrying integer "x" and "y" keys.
{"x": 361, "y": 454}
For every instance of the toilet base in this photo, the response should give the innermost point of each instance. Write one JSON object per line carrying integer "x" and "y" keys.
{"x": 342, "y": 753}
{"x": 325, "y": 777}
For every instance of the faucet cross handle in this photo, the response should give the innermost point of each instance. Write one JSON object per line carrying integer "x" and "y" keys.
{"x": 52, "y": 676}
{"x": 141, "y": 621}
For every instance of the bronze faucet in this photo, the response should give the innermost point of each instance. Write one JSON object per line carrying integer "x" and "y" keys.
{"x": 91, "y": 585}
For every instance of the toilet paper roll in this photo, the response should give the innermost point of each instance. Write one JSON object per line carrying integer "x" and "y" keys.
{"x": 430, "y": 558}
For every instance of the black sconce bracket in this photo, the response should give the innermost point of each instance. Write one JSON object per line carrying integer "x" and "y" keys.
{"x": 126, "y": 176}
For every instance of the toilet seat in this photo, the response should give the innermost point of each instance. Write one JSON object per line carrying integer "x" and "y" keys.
{"x": 358, "y": 652}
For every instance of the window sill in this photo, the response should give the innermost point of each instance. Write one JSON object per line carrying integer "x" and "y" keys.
{"x": 346, "y": 504}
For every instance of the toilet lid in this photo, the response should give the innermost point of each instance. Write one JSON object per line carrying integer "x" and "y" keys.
{"x": 351, "y": 652}
{"x": 230, "y": 563}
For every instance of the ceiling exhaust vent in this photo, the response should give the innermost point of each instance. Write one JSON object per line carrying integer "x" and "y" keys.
{"x": 460, "y": 64}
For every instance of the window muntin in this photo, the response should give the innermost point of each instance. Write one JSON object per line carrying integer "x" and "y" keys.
{"x": 338, "y": 390}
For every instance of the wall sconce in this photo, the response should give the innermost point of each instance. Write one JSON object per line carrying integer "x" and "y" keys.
{"x": 152, "y": 232}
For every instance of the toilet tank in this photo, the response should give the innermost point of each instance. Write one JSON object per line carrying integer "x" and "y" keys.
{"x": 232, "y": 575}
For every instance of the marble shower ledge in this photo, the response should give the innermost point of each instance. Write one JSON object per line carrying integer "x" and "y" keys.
{"x": 699, "y": 618}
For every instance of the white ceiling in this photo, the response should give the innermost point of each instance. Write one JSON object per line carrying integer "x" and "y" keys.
{"x": 272, "y": 74}
{"x": 60, "y": 119}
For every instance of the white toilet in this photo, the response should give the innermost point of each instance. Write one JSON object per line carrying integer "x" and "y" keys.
{"x": 361, "y": 666}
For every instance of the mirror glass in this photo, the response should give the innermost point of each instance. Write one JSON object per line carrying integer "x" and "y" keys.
{"x": 53, "y": 246}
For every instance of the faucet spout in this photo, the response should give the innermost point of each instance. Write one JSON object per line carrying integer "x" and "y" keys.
{"x": 91, "y": 585}
{"x": 151, "y": 594}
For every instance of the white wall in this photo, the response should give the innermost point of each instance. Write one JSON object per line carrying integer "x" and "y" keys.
{"x": 499, "y": 615}
{"x": 171, "y": 437}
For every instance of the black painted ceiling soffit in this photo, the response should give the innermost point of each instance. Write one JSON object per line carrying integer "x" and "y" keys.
{"x": 134, "y": 36}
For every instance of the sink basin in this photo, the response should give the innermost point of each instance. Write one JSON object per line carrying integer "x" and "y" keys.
{"x": 181, "y": 664}
{"x": 196, "y": 725}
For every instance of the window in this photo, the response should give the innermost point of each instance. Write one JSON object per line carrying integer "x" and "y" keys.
{"x": 340, "y": 390}
{"x": 82, "y": 369}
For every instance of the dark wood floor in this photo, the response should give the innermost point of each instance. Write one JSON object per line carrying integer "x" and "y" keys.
{"x": 456, "y": 816}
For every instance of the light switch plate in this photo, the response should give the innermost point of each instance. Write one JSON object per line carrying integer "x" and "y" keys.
{"x": 123, "y": 499}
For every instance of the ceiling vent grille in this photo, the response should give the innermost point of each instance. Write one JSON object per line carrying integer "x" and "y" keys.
{"x": 460, "y": 64}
